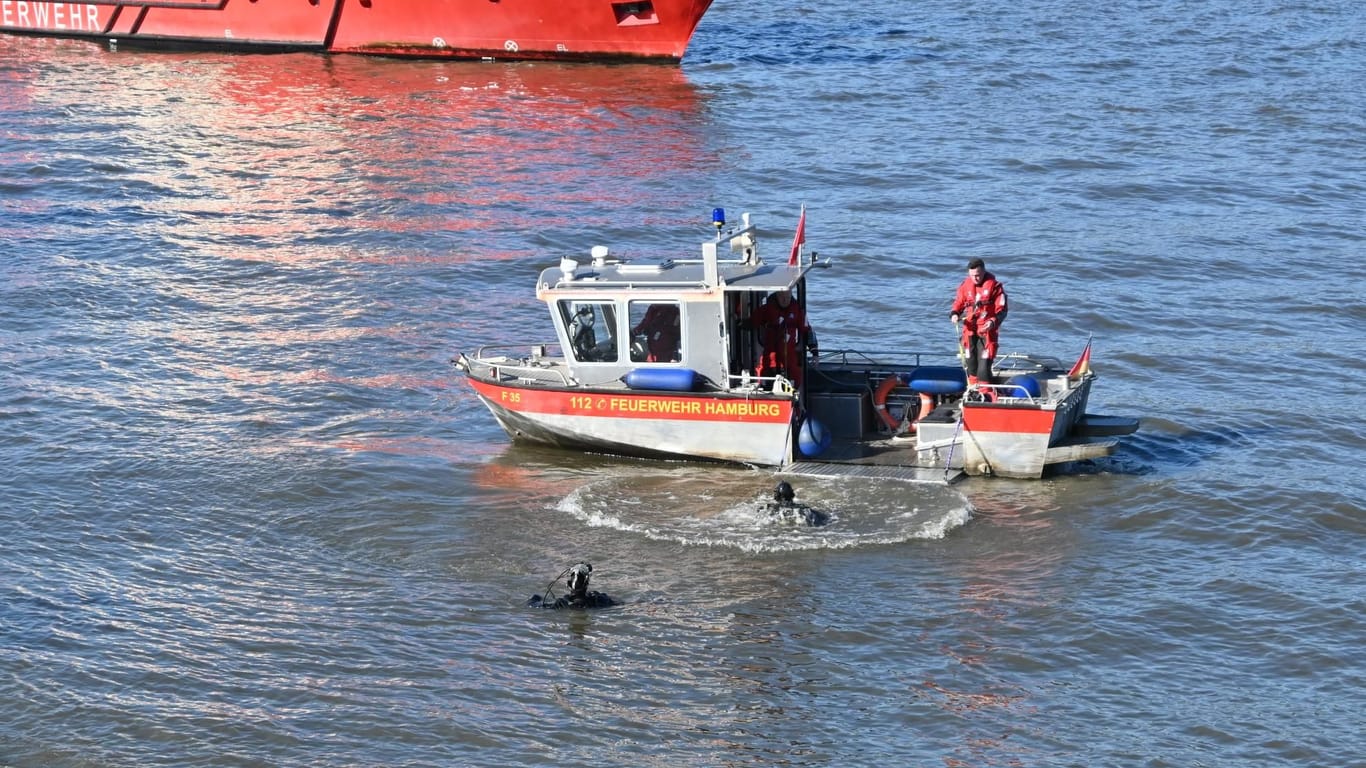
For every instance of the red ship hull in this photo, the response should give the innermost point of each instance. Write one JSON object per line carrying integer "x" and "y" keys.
{"x": 442, "y": 29}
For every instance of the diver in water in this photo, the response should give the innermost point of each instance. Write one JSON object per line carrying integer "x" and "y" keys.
{"x": 785, "y": 509}
{"x": 576, "y": 578}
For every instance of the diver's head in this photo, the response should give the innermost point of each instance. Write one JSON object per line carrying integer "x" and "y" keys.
{"x": 578, "y": 579}
{"x": 783, "y": 494}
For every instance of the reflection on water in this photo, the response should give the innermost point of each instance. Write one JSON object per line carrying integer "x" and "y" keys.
{"x": 302, "y": 158}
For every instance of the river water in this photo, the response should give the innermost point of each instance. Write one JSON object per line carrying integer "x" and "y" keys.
{"x": 251, "y": 518}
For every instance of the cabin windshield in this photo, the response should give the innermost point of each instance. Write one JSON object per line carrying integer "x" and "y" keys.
{"x": 592, "y": 330}
{"x": 656, "y": 333}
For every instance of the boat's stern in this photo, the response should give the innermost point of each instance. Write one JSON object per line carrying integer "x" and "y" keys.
{"x": 1033, "y": 420}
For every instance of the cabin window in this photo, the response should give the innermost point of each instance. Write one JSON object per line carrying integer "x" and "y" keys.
{"x": 656, "y": 333}
{"x": 591, "y": 327}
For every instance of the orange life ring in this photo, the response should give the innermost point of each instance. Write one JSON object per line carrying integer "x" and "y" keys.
{"x": 880, "y": 404}
{"x": 926, "y": 405}
{"x": 880, "y": 401}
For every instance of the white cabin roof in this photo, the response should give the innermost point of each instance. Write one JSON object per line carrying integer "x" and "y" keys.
{"x": 710, "y": 273}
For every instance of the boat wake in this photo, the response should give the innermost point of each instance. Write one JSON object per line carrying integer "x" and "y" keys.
{"x": 719, "y": 507}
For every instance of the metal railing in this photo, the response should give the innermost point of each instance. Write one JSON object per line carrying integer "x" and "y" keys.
{"x": 499, "y": 361}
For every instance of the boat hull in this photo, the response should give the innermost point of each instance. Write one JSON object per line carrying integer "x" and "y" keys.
{"x": 595, "y": 30}
{"x": 1012, "y": 440}
{"x": 656, "y": 424}
{"x": 1015, "y": 436}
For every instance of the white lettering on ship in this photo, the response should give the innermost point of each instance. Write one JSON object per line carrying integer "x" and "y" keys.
{"x": 55, "y": 16}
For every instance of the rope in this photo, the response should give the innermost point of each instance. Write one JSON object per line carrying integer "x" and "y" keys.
{"x": 948, "y": 465}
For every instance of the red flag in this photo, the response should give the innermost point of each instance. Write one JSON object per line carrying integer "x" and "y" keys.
{"x": 798, "y": 240}
{"x": 1083, "y": 364}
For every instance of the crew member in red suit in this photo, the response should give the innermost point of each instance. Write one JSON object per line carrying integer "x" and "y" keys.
{"x": 660, "y": 329}
{"x": 784, "y": 334}
{"x": 981, "y": 305}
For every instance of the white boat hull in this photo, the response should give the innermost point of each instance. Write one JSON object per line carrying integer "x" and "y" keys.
{"x": 649, "y": 424}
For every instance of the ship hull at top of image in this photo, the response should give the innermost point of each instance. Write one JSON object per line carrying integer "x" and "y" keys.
{"x": 579, "y": 30}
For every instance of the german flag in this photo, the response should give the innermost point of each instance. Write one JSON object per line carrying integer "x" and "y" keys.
{"x": 1083, "y": 364}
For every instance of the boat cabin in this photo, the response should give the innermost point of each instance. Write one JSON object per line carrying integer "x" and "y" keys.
{"x": 671, "y": 324}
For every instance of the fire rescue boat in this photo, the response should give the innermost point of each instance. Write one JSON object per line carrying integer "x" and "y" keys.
{"x": 583, "y": 30}
{"x": 606, "y": 384}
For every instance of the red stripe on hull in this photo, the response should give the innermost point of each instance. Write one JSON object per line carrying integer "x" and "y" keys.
{"x": 624, "y": 405}
{"x": 987, "y": 418}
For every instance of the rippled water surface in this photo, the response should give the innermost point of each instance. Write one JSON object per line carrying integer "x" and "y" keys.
{"x": 251, "y": 518}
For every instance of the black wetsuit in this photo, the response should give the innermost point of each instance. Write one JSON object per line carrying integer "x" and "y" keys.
{"x": 792, "y": 512}
{"x": 591, "y": 599}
